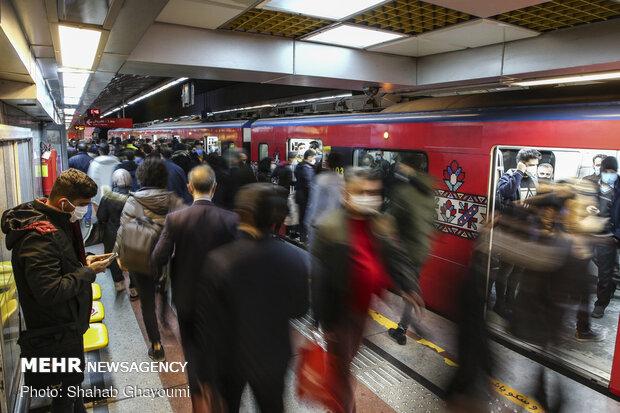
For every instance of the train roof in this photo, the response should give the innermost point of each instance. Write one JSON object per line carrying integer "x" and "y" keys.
{"x": 606, "y": 111}
{"x": 188, "y": 125}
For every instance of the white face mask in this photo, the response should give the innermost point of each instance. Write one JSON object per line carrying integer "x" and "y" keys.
{"x": 597, "y": 170}
{"x": 78, "y": 212}
{"x": 366, "y": 204}
{"x": 532, "y": 171}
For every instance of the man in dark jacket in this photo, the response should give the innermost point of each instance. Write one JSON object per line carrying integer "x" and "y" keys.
{"x": 189, "y": 234}
{"x": 82, "y": 160}
{"x": 248, "y": 341}
{"x": 53, "y": 278}
{"x": 514, "y": 185}
{"x": 607, "y": 252}
{"x": 358, "y": 255}
{"x": 177, "y": 179}
{"x": 128, "y": 164}
{"x": 595, "y": 176}
{"x": 304, "y": 175}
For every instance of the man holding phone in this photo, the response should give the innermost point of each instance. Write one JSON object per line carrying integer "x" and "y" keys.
{"x": 53, "y": 277}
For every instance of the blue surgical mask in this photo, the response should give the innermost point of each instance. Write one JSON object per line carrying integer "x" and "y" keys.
{"x": 609, "y": 178}
{"x": 199, "y": 152}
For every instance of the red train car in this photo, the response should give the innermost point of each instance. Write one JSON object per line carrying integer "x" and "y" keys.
{"x": 465, "y": 152}
{"x": 216, "y": 136}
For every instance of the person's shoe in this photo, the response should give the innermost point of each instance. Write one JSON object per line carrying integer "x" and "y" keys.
{"x": 157, "y": 354}
{"x": 399, "y": 335}
{"x": 598, "y": 311}
{"x": 133, "y": 294}
{"x": 588, "y": 335}
{"x": 119, "y": 286}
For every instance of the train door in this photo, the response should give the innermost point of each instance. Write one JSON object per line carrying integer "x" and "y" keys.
{"x": 16, "y": 186}
{"x": 542, "y": 302}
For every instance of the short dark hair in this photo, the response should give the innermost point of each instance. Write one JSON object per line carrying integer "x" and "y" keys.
{"x": 525, "y": 154}
{"x": 314, "y": 145}
{"x": 366, "y": 174}
{"x": 166, "y": 151}
{"x": 334, "y": 160}
{"x": 309, "y": 153}
{"x": 152, "y": 172}
{"x": 82, "y": 147}
{"x": 73, "y": 184}
{"x": 599, "y": 155}
{"x": 130, "y": 154}
{"x": 262, "y": 205}
{"x": 104, "y": 149}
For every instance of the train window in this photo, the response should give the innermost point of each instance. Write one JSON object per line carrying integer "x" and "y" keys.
{"x": 379, "y": 158}
{"x": 212, "y": 144}
{"x": 542, "y": 276}
{"x": 263, "y": 151}
{"x": 301, "y": 145}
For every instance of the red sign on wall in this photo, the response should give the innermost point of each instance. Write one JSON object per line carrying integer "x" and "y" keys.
{"x": 109, "y": 123}
{"x": 93, "y": 113}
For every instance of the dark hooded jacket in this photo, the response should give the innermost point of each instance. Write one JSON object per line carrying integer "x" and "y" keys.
{"x": 48, "y": 259}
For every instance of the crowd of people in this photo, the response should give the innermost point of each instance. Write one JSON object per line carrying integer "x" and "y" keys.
{"x": 210, "y": 224}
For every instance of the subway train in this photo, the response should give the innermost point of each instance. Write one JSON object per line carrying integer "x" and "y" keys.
{"x": 465, "y": 151}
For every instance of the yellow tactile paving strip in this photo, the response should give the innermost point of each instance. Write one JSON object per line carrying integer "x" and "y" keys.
{"x": 503, "y": 389}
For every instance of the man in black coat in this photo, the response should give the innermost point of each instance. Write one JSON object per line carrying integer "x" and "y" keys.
{"x": 242, "y": 328}
{"x": 187, "y": 236}
{"x": 53, "y": 278}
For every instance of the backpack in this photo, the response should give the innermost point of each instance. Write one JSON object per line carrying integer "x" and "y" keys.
{"x": 139, "y": 237}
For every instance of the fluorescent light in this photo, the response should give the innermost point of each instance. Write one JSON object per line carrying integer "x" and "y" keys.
{"x": 75, "y": 79}
{"x": 327, "y": 9}
{"x": 69, "y": 111}
{"x": 344, "y": 95}
{"x": 156, "y": 91}
{"x": 71, "y": 100}
{"x": 569, "y": 79}
{"x": 146, "y": 95}
{"x": 353, "y": 36}
{"x": 78, "y": 47}
{"x": 73, "y": 92}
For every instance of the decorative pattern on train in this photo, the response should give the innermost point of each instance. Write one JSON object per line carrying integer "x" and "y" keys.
{"x": 458, "y": 213}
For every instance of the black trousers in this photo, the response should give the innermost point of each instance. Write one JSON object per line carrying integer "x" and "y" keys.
{"x": 66, "y": 404}
{"x": 147, "y": 289}
{"x": 606, "y": 259}
{"x": 267, "y": 387}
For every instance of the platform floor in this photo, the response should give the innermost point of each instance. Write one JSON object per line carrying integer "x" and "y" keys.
{"x": 390, "y": 378}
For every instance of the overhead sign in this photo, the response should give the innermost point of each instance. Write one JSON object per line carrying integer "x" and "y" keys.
{"x": 109, "y": 123}
{"x": 93, "y": 113}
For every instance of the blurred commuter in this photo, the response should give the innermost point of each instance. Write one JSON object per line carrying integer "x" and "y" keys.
{"x": 250, "y": 342}
{"x": 199, "y": 151}
{"x": 82, "y": 160}
{"x": 411, "y": 202}
{"x": 101, "y": 169}
{"x": 183, "y": 158}
{"x": 224, "y": 193}
{"x": 514, "y": 185}
{"x": 357, "y": 256}
{"x": 128, "y": 164}
{"x": 381, "y": 164}
{"x": 187, "y": 236}
{"x": 109, "y": 217}
{"x": 177, "y": 180}
{"x": 545, "y": 173}
{"x": 607, "y": 253}
{"x": 72, "y": 148}
{"x": 325, "y": 193}
{"x": 318, "y": 158}
{"x": 284, "y": 176}
{"x": 263, "y": 173}
{"x": 304, "y": 175}
{"x": 595, "y": 176}
{"x": 53, "y": 277}
{"x": 241, "y": 173}
{"x": 142, "y": 219}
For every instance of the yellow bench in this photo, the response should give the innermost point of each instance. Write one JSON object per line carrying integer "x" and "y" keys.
{"x": 8, "y": 309}
{"x": 96, "y": 291}
{"x": 97, "y": 312}
{"x": 96, "y": 337}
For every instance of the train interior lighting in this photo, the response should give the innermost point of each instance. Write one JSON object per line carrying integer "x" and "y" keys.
{"x": 353, "y": 36}
{"x": 326, "y": 9}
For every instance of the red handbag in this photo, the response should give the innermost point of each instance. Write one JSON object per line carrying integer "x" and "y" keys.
{"x": 316, "y": 380}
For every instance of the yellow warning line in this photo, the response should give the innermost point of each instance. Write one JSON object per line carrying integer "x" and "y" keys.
{"x": 503, "y": 389}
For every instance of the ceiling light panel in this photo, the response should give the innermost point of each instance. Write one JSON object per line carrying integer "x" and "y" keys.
{"x": 73, "y": 92}
{"x": 570, "y": 79}
{"x": 78, "y": 47}
{"x": 75, "y": 79}
{"x": 325, "y": 9}
{"x": 69, "y": 111}
{"x": 71, "y": 100}
{"x": 353, "y": 36}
